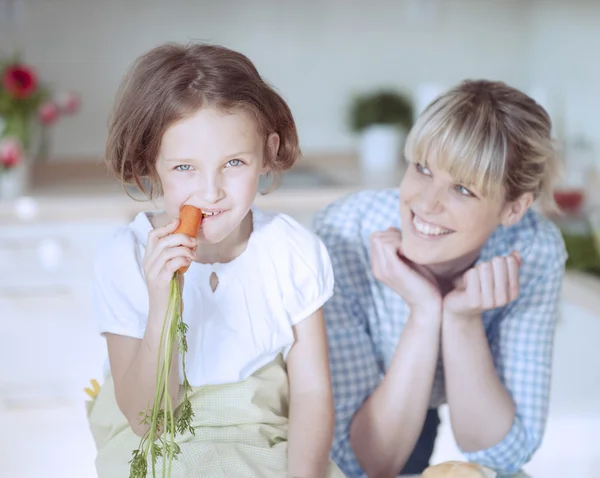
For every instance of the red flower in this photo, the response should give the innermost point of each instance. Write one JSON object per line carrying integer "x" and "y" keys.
{"x": 20, "y": 81}
{"x": 48, "y": 113}
{"x": 10, "y": 152}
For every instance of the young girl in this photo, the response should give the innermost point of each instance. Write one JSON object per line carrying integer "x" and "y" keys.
{"x": 447, "y": 290}
{"x": 200, "y": 123}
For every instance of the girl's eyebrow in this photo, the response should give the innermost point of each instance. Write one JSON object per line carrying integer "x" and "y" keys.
{"x": 190, "y": 160}
{"x": 241, "y": 153}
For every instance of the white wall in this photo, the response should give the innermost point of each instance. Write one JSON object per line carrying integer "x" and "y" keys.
{"x": 317, "y": 53}
{"x": 564, "y": 56}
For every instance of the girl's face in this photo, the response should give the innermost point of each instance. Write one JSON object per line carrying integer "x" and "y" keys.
{"x": 213, "y": 160}
{"x": 444, "y": 223}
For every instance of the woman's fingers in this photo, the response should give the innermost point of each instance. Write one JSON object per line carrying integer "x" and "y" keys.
{"x": 383, "y": 256}
{"x": 472, "y": 287}
{"x": 501, "y": 282}
{"x": 513, "y": 266}
{"x": 486, "y": 284}
{"x": 386, "y": 262}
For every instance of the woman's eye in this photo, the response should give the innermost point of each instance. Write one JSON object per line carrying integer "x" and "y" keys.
{"x": 234, "y": 163}
{"x": 464, "y": 191}
{"x": 423, "y": 169}
{"x": 183, "y": 167}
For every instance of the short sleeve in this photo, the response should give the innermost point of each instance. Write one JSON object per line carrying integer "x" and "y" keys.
{"x": 309, "y": 272}
{"x": 119, "y": 295}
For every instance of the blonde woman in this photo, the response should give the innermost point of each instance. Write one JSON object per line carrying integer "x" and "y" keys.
{"x": 447, "y": 290}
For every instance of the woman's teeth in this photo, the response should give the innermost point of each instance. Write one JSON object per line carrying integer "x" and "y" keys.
{"x": 429, "y": 229}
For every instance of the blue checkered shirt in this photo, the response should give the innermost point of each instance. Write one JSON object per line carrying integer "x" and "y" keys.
{"x": 365, "y": 319}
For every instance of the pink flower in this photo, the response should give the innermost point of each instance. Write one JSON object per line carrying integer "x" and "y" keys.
{"x": 48, "y": 113}
{"x": 68, "y": 103}
{"x": 20, "y": 81}
{"x": 11, "y": 153}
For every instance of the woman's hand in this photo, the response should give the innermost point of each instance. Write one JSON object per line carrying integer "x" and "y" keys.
{"x": 165, "y": 253}
{"x": 486, "y": 286}
{"x": 412, "y": 282}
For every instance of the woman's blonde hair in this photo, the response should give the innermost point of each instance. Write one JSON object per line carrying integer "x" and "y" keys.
{"x": 490, "y": 136}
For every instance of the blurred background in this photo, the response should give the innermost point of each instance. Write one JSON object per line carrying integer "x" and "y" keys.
{"x": 355, "y": 75}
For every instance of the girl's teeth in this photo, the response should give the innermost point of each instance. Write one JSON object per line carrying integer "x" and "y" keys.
{"x": 428, "y": 229}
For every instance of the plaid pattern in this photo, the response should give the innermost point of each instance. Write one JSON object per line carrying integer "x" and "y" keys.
{"x": 365, "y": 318}
{"x": 240, "y": 430}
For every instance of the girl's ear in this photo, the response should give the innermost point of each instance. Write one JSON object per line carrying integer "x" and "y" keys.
{"x": 271, "y": 149}
{"x": 514, "y": 210}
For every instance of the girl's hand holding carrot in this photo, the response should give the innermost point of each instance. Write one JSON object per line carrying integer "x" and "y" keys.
{"x": 169, "y": 252}
{"x": 166, "y": 252}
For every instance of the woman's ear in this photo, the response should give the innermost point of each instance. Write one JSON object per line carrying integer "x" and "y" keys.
{"x": 271, "y": 149}
{"x": 514, "y": 210}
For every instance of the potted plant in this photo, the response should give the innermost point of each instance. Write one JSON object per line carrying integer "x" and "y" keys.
{"x": 27, "y": 110}
{"x": 382, "y": 118}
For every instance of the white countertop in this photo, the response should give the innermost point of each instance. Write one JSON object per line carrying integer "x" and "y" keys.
{"x": 81, "y": 191}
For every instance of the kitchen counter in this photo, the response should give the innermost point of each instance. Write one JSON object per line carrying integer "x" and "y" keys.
{"x": 84, "y": 190}
{"x": 81, "y": 191}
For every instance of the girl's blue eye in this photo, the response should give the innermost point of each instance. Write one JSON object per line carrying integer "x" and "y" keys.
{"x": 234, "y": 163}
{"x": 183, "y": 167}
{"x": 423, "y": 169}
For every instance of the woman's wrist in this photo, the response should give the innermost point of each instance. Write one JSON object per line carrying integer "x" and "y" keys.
{"x": 429, "y": 314}
{"x": 460, "y": 319}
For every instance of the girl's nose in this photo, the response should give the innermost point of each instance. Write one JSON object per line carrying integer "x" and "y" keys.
{"x": 212, "y": 190}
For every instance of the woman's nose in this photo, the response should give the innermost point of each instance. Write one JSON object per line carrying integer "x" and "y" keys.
{"x": 431, "y": 199}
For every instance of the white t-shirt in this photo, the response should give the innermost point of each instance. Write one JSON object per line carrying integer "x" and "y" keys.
{"x": 282, "y": 277}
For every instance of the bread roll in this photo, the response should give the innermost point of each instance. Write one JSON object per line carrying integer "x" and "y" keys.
{"x": 458, "y": 469}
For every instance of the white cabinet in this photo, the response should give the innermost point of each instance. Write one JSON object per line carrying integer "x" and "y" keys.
{"x": 49, "y": 345}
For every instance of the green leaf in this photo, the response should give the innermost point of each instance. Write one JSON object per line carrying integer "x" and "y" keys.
{"x": 384, "y": 106}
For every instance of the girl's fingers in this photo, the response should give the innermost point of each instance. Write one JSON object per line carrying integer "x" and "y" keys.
{"x": 174, "y": 240}
{"x": 501, "y": 281}
{"x": 513, "y": 266}
{"x": 155, "y": 234}
{"x": 172, "y": 252}
{"x": 486, "y": 281}
{"x": 168, "y": 242}
{"x": 155, "y": 267}
{"x": 171, "y": 266}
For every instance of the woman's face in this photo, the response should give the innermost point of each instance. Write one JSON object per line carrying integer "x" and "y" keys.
{"x": 444, "y": 222}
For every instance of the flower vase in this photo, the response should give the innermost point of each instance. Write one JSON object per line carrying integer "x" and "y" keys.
{"x": 14, "y": 182}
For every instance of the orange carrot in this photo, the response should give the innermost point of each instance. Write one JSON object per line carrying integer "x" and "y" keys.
{"x": 190, "y": 219}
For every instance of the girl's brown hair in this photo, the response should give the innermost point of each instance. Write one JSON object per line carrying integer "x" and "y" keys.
{"x": 172, "y": 82}
{"x": 492, "y": 136}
